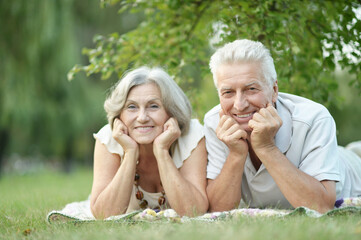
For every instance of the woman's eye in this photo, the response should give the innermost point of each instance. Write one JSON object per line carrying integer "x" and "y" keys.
{"x": 131, "y": 106}
{"x": 154, "y": 106}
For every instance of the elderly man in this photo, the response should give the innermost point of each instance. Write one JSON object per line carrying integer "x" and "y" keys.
{"x": 267, "y": 148}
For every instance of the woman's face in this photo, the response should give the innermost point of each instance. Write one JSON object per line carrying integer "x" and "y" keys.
{"x": 144, "y": 113}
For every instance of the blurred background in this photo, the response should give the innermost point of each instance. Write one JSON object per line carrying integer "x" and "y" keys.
{"x": 58, "y": 58}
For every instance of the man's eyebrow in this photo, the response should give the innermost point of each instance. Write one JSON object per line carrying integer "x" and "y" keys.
{"x": 225, "y": 88}
{"x": 251, "y": 83}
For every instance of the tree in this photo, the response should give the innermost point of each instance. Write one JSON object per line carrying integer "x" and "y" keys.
{"x": 306, "y": 38}
{"x": 41, "y": 112}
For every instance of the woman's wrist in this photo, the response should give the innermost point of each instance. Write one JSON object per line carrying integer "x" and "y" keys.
{"x": 132, "y": 153}
{"x": 160, "y": 152}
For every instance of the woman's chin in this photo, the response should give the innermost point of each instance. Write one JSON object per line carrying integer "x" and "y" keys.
{"x": 144, "y": 142}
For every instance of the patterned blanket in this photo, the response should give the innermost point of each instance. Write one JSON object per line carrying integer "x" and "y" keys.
{"x": 80, "y": 212}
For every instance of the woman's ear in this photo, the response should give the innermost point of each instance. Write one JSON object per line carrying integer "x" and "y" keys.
{"x": 112, "y": 124}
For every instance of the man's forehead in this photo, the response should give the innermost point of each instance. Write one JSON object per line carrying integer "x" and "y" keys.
{"x": 230, "y": 85}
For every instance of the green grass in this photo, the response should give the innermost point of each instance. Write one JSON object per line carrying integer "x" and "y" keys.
{"x": 26, "y": 200}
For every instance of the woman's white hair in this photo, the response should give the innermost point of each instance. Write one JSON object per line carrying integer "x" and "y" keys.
{"x": 173, "y": 98}
{"x": 244, "y": 51}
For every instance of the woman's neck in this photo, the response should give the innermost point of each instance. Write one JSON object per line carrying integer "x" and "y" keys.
{"x": 147, "y": 169}
{"x": 146, "y": 155}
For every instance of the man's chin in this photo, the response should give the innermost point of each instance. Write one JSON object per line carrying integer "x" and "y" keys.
{"x": 248, "y": 130}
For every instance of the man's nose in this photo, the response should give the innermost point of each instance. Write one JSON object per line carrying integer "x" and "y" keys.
{"x": 240, "y": 102}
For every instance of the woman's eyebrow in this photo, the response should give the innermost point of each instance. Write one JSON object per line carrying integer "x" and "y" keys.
{"x": 148, "y": 100}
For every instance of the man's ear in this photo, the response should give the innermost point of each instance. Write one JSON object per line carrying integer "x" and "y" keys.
{"x": 275, "y": 91}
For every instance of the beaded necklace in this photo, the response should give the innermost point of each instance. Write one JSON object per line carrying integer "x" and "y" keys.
{"x": 143, "y": 204}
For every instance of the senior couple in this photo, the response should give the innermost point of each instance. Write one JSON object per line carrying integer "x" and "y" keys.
{"x": 258, "y": 146}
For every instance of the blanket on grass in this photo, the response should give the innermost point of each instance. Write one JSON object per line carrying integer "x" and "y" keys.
{"x": 80, "y": 212}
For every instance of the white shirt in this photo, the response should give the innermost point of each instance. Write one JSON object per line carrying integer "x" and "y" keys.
{"x": 307, "y": 137}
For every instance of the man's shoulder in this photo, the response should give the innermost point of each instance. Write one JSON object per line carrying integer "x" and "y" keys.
{"x": 213, "y": 114}
{"x": 211, "y": 118}
{"x": 303, "y": 108}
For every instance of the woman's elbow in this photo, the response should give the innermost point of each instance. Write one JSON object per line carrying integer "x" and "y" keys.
{"x": 199, "y": 209}
{"x": 97, "y": 214}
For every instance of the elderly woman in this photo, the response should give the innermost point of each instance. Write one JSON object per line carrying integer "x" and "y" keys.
{"x": 151, "y": 154}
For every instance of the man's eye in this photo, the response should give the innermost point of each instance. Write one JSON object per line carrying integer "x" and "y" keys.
{"x": 227, "y": 93}
{"x": 252, "y": 89}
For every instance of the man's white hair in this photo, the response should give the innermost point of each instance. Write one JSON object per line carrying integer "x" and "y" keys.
{"x": 244, "y": 51}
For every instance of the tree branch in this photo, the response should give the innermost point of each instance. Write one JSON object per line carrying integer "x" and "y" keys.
{"x": 199, "y": 16}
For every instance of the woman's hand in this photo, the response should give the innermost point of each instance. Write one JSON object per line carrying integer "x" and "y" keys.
{"x": 120, "y": 134}
{"x": 171, "y": 132}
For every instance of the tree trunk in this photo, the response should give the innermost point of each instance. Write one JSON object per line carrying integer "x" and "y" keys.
{"x": 4, "y": 137}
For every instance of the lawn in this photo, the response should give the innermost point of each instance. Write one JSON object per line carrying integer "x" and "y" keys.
{"x": 25, "y": 201}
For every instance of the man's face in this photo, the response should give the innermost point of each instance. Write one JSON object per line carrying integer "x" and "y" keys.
{"x": 243, "y": 91}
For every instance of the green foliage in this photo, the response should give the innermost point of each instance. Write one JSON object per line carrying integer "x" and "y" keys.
{"x": 347, "y": 117}
{"x": 306, "y": 38}
{"x": 33, "y": 98}
{"x": 41, "y": 112}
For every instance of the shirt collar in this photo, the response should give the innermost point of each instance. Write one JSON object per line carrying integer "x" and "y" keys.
{"x": 284, "y": 135}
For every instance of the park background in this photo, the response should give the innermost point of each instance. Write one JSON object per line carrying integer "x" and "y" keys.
{"x": 58, "y": 58}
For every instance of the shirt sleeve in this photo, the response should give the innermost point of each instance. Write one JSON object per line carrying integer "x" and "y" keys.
{"x": 105, "y": 137}
{"x": 187, "y": 143}
{"x": 320, "y": 157}
{"x": 216, "y": 149}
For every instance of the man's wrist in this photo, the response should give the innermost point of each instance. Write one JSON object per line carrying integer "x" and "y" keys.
{"x": 266, "y": 151}
{"x": 235, "y": 156}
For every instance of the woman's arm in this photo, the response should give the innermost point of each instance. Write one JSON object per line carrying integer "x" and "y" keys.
{"x": 185, "y": 188}
{"x": 113, "y": 178}
{"x": 112, "y": 182}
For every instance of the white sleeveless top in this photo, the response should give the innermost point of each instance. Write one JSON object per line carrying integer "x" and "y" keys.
{"x": 182, "y": 150}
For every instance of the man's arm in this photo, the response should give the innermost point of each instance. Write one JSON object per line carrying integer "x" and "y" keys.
{"x": 224, "y": 192}
{"x": 299, "y": 188}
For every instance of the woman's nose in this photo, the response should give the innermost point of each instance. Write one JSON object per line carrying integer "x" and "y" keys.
{"x": 142, "y": 116}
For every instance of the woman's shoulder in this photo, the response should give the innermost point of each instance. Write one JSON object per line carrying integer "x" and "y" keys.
{"x": 104, "y": 135}
{"x": 188, "y": 142}
{"x": 195, "y": 127}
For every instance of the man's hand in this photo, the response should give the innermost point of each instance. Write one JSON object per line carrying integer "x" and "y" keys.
{"x": 229, "y": 132}
{"x": 265, "y": 125}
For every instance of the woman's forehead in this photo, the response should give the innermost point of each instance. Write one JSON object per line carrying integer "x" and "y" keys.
{"x": 146, "y": 91}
